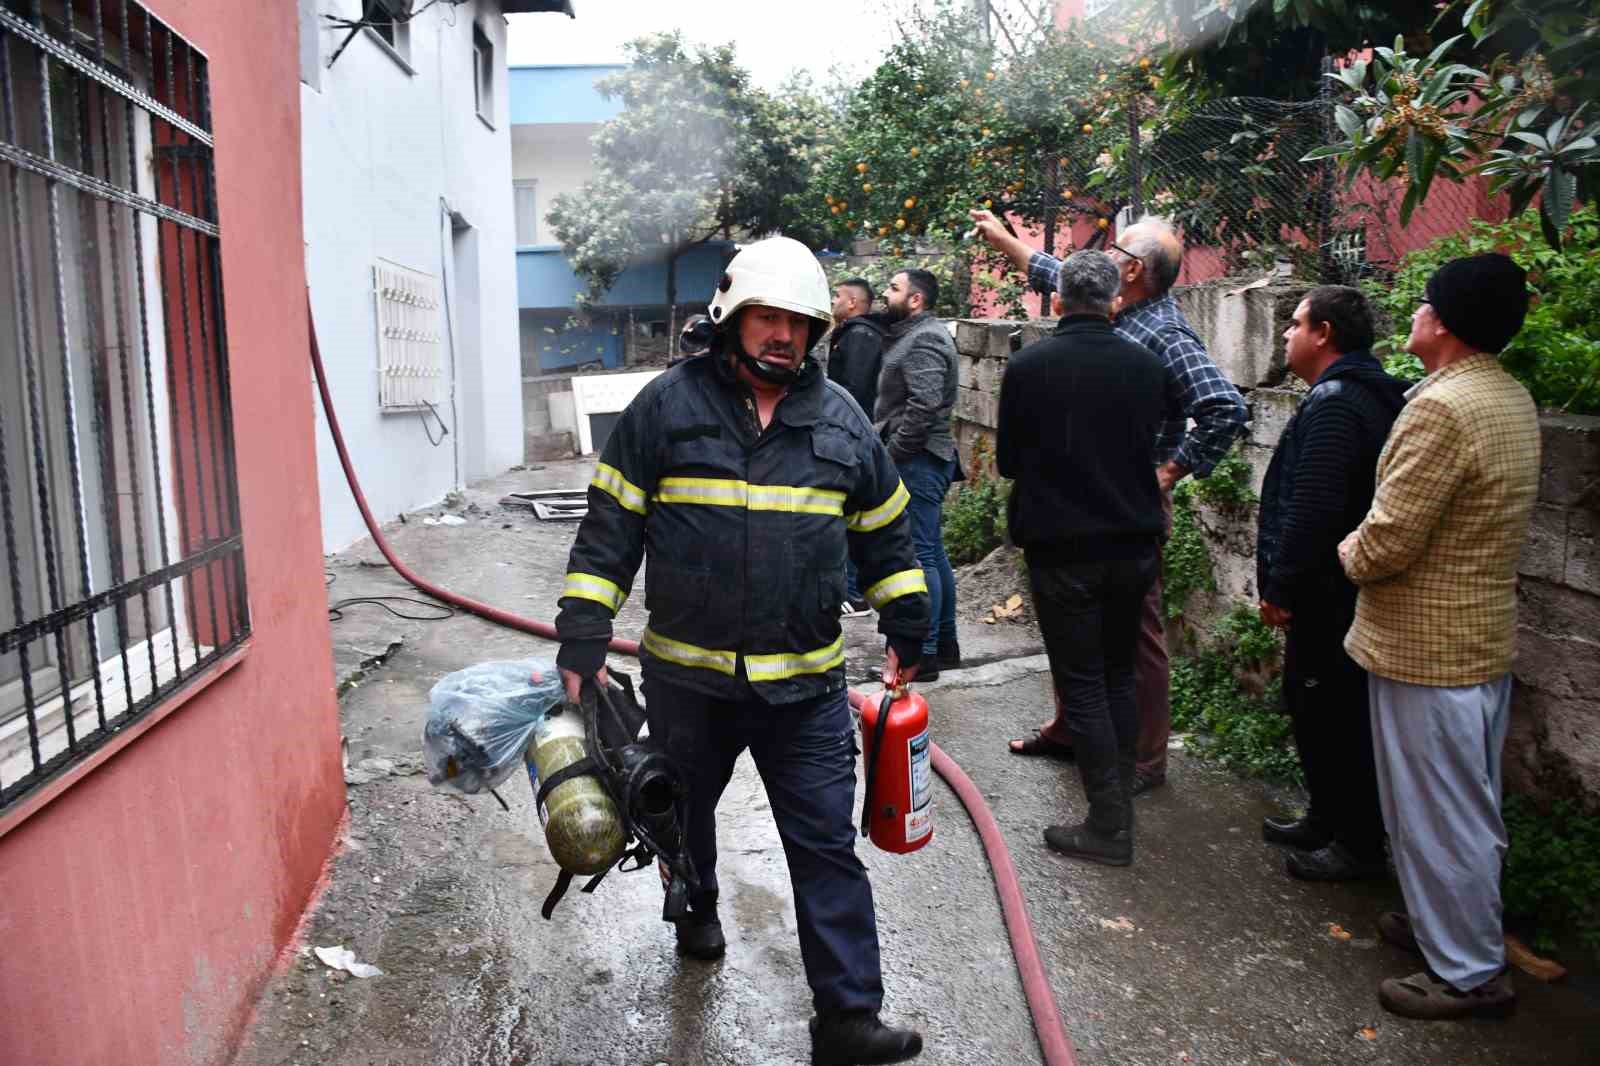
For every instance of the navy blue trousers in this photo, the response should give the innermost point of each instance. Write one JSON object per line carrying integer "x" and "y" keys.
{"x": 806, "y": 756}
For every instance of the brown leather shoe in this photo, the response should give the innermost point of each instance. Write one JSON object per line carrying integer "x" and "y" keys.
{"x": 1394, "y": 927}
{"x": 1428, "y": 996}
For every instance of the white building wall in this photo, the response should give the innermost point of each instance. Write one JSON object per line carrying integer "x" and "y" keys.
{"x": 558, "y": 156}
{"x": 398, "y": 165}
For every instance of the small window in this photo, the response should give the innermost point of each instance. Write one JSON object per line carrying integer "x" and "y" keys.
{"x": 390, "y": 22}
{"x": 122, "y": 536}
{"x": 483, "y": 75}
{"x": 525, "y": 204}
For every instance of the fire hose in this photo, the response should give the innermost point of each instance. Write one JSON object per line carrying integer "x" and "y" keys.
{"x": 1054, "y": 1042}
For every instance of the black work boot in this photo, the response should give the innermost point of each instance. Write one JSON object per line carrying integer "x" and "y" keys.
{"x": 949, "y": 654}
{"x": 859, "y": 1038}
{"x": 700, "y": 932}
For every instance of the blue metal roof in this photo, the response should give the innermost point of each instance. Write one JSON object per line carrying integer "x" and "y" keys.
{"x": 546, "y": 94}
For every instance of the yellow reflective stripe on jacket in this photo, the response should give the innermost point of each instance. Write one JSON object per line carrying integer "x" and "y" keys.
{"x": 676, "y": 651}
{"x": 725, "y": 492}
{"x": 792, "y": 664}
{"x": 596, "y": 588}
{"x": 609, "y": 479}
{"x": 883, "y": 514}
{"x": 896, "y": 585}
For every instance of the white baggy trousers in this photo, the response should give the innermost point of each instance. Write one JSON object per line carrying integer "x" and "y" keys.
{"x": 1438, "y": 756}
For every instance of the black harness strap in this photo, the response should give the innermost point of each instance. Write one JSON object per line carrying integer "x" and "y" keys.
{"x": 585, "y": 765}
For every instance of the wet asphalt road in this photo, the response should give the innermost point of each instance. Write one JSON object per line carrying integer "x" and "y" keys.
{"x": 1203, "y": 951}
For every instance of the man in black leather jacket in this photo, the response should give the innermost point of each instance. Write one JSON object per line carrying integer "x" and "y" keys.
{"x": 1318, "y": 488}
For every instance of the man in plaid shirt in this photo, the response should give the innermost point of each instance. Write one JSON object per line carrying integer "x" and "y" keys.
{"x": 1149, "y": 256}
{"x": 1436, "y": 562}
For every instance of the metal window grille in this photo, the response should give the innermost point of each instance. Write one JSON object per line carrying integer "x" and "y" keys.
{"x": 409, "y": 370}
{"x": 118, "y": 498}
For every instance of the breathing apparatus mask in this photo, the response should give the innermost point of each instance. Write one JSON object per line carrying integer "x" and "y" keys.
{"x": 638, "y": 812}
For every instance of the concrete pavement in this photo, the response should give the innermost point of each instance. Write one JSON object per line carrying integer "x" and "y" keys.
{"x": 1202, "y": 952}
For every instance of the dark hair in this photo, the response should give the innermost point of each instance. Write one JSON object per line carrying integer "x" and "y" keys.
{"x": 925, "y": 283}
{"x": 861, "y": 285}
{"x": 1347, "y": 313}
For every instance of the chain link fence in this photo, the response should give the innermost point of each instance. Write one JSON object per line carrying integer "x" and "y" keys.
{"x": 1228, "y": 173}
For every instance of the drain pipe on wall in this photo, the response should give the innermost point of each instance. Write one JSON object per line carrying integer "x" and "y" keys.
{"x": 1054, "y": 1042}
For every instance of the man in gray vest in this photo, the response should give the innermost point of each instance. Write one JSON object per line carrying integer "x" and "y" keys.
{"x": 916, "y": 394}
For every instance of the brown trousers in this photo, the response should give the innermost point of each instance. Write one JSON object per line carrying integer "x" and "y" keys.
{"x": 1152, "y": 684}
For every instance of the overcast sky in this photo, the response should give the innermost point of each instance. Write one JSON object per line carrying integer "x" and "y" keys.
{"x": 772, "y": 37}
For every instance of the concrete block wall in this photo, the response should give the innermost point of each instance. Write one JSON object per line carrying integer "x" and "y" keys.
{"x": 1554, "y": 746}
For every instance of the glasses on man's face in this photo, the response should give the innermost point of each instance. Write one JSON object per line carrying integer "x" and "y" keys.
{"x": 1113, "y": 246}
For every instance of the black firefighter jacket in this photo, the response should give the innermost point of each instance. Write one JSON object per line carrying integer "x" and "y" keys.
{"x": 746, "y": 533}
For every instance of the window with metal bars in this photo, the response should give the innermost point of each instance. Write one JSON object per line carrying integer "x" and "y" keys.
{"x": 119, "y": 513}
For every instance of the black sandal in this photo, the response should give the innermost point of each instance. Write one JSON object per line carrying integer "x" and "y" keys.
{"x": 1041, "y": 746}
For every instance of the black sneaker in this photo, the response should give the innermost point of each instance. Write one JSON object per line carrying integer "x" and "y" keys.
{"x": 949, "y": 654}
{"x": 859, "y": 1038}
{"x": 1303, "y": 834}
{"x": 1334, "y": 863}
{"x": 1081, "y": 842}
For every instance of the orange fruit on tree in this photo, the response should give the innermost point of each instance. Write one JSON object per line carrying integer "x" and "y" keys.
{"x": 835, "y": 209}
{"x": 866, "y": 186}
{"x": 828, "y": 199}
{"x": 883, "y": 231}
{"x": 911, "y": 201}
{"x": 861, "y": 168}
{"x": 1088, "y": 127}
{"x": 1103, "y": 223}
{"x": 915, "y": 151}
{"x": 1066, "y": 194}
{"x": 988, "y": 204}
{"x": 899, "y": 223}
{"x": 989, "y": 76}
{"x": 984, "y": 131}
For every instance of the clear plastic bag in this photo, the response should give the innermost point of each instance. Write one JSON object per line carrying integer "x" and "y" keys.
{"x": 480, "y": 720}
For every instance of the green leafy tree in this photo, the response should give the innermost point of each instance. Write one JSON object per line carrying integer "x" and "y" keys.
{"x": 948, "y": 122}
{"x": 1518, "y": 115}
{"x": 697, "y": 152}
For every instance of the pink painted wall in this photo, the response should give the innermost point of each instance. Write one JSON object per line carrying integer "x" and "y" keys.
{"x": 143, "y": 910}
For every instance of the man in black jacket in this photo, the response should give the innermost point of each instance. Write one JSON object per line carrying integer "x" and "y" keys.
{"x": 855, "y": 355}
{"x": 744, "y": 477}
{"x": 1079, "y": 415}
{"x": 855, "y": 348}
{"x": 1318, "y": 488}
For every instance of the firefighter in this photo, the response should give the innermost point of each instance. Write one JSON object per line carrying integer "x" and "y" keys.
{"x": 744, "y": 475}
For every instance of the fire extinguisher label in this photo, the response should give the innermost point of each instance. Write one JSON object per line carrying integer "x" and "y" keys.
{"x": 918, "y": 824}
{"x": 920, "y": 759}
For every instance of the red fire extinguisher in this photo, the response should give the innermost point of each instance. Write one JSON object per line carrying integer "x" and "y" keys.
{"x": 897, "y": 811}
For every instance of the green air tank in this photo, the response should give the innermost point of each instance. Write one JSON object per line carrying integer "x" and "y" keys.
{"x": 581, "y": 825}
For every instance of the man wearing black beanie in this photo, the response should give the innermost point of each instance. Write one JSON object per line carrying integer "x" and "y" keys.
{"x": 1435, "y": 560}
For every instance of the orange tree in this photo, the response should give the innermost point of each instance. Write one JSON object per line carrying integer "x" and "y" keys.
{"x": 947, "y": 123}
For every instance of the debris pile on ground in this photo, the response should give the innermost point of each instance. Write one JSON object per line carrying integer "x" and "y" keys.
{"x": 995, "y": 588}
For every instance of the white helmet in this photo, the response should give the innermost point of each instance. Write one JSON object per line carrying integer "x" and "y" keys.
{"x": 777, "y": 272}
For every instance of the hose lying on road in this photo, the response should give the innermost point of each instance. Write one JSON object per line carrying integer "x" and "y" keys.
{"x": 1053, "y": 1040}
